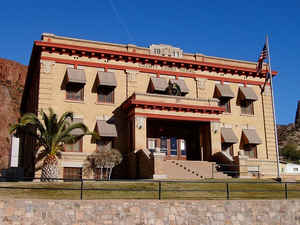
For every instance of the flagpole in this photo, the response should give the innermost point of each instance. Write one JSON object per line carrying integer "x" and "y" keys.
{"x": 273, "y": 107}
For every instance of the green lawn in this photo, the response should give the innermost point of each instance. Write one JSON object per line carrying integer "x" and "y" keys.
{"x": 149, "y": 190}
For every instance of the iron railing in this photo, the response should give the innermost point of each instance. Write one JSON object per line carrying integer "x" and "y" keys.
{"x": 155, "y": 189}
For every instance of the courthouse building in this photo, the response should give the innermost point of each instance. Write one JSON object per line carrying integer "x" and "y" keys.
{"x": 171, "y": 114}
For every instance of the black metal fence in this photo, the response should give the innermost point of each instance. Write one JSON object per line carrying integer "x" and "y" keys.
{"x": 149, "y": 189}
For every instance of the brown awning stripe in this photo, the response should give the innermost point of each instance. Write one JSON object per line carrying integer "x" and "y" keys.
{"x": 251, "y": 136}
{"x": 183, "y": 88}
{"x": 77, "y": 131}
{"x": 106, "y": 129}
{"x": 224, "y": 90}
{"x": 107, "y": 79}
{"x": 76, "y": 76}
{"x": 228, "y": 136}
{"x": 159, "y": 84}
{"x": 248, "y": 93}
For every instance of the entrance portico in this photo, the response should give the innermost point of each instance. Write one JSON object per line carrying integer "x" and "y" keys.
{"x": 181, "y": 140}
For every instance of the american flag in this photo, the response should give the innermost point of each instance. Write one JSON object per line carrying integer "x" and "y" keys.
{"x": 262, "y": 57}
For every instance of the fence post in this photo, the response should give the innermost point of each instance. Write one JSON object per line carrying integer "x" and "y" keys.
{"x": 286, "y": 190}
{"x": 227, "y": 191}
{"x": 212, "y": 170}
{"x": 159, "y": 190}
{"x": 81, "y": 187}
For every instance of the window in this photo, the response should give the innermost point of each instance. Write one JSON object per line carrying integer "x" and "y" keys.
{"x": 105, "y": 94}
{"x": 295, "y": 169}
{"x": 173, "y": 141}
{"x": 151, "y": 145}
{"x": 250, "y": 150}
{"x": 163, "y": 145}
{"x": 72, "y": 173}
{"x": 76, "y": 147}
{"x": 247, "y": 107}
{"x": 182, "y": 147}
{"x": 228, "y": 148}
{"x": 225, "y": 102}
{"x": 74, "y": 92}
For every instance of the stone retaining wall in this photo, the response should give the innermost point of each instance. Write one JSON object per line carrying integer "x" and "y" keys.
{"x": 60, "y": 212}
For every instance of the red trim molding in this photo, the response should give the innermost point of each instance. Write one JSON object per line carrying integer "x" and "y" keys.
{"x": 132, "y": 102}
{"x": 144, "y": 58}
{"x": 147, "y": 70}
{"x": 172, "y": 117}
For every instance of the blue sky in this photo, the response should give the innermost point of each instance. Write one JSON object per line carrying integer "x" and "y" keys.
{"x": 231, "y": 29}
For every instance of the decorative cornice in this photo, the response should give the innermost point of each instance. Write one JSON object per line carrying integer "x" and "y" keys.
{"x": 144, "y": 58}
{"x": 132, "y": 102}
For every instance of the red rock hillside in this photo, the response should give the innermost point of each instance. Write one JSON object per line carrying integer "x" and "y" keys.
{"x": 12, "y": 80}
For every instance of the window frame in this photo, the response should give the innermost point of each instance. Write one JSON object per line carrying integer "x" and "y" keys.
{"x": 247, "y": 107}
{"x": 72, "y": 145}
{"x": 70, "y": 94}
{"x": 225, "y": 102}
{"x": 250, "y": 148}
{"x": 111, "y": 94}
{"x": 72, "y": 174}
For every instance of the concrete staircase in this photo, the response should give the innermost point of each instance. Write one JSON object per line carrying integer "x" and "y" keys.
{"x": 185, "y": 169}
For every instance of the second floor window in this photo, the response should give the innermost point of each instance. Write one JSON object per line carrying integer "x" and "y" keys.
{"x": 105, "y": 94}
{"x": 225, "y": 102}
{"x": 247, "y": 107}
{"x": 74, "y": 92}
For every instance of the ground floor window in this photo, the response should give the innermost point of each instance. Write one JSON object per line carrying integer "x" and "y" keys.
{"x": 182, "y": 146}
{"x": 169, "y": 145}
{"x": 72, "y": 173}
{"x": 151, "y": 144}
{"x": 163, "y": 145}
{"x": 76, "y": 147}
{"x": 250, "y": 151}
{"x": 173, "y": 141}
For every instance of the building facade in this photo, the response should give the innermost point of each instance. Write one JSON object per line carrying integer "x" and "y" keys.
{"x": 171, "y": 114}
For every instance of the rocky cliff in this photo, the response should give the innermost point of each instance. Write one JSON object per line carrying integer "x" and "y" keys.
{"x": 290, "y": 133}
{"x": 12, "y": 80}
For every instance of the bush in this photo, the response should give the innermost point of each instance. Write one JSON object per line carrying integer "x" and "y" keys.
{"x": 290, "y": 152}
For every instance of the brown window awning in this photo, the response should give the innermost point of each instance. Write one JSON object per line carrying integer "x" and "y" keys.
{"x": 76, "y": 76}
{"x": 228, "y": 136}
{"x": 251, "y": 136}
{"x": 77, "y": 131}
{"x": 159, "y": 84}
{"x": 183, "y": 88}
{"x": 224, "y": 91}
{"x": 248, "y": 93}
{"x": 106, "y": 129}
{"x": 106, "y": 79}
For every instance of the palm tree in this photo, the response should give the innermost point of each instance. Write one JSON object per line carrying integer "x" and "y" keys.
{"x": 51, "y": 134}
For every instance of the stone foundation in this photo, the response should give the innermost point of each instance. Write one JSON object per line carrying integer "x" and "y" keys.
{"x": 149, "y": 212}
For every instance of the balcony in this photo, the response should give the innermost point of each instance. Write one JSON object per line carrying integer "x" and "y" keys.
{"x": 173, "y": 103}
